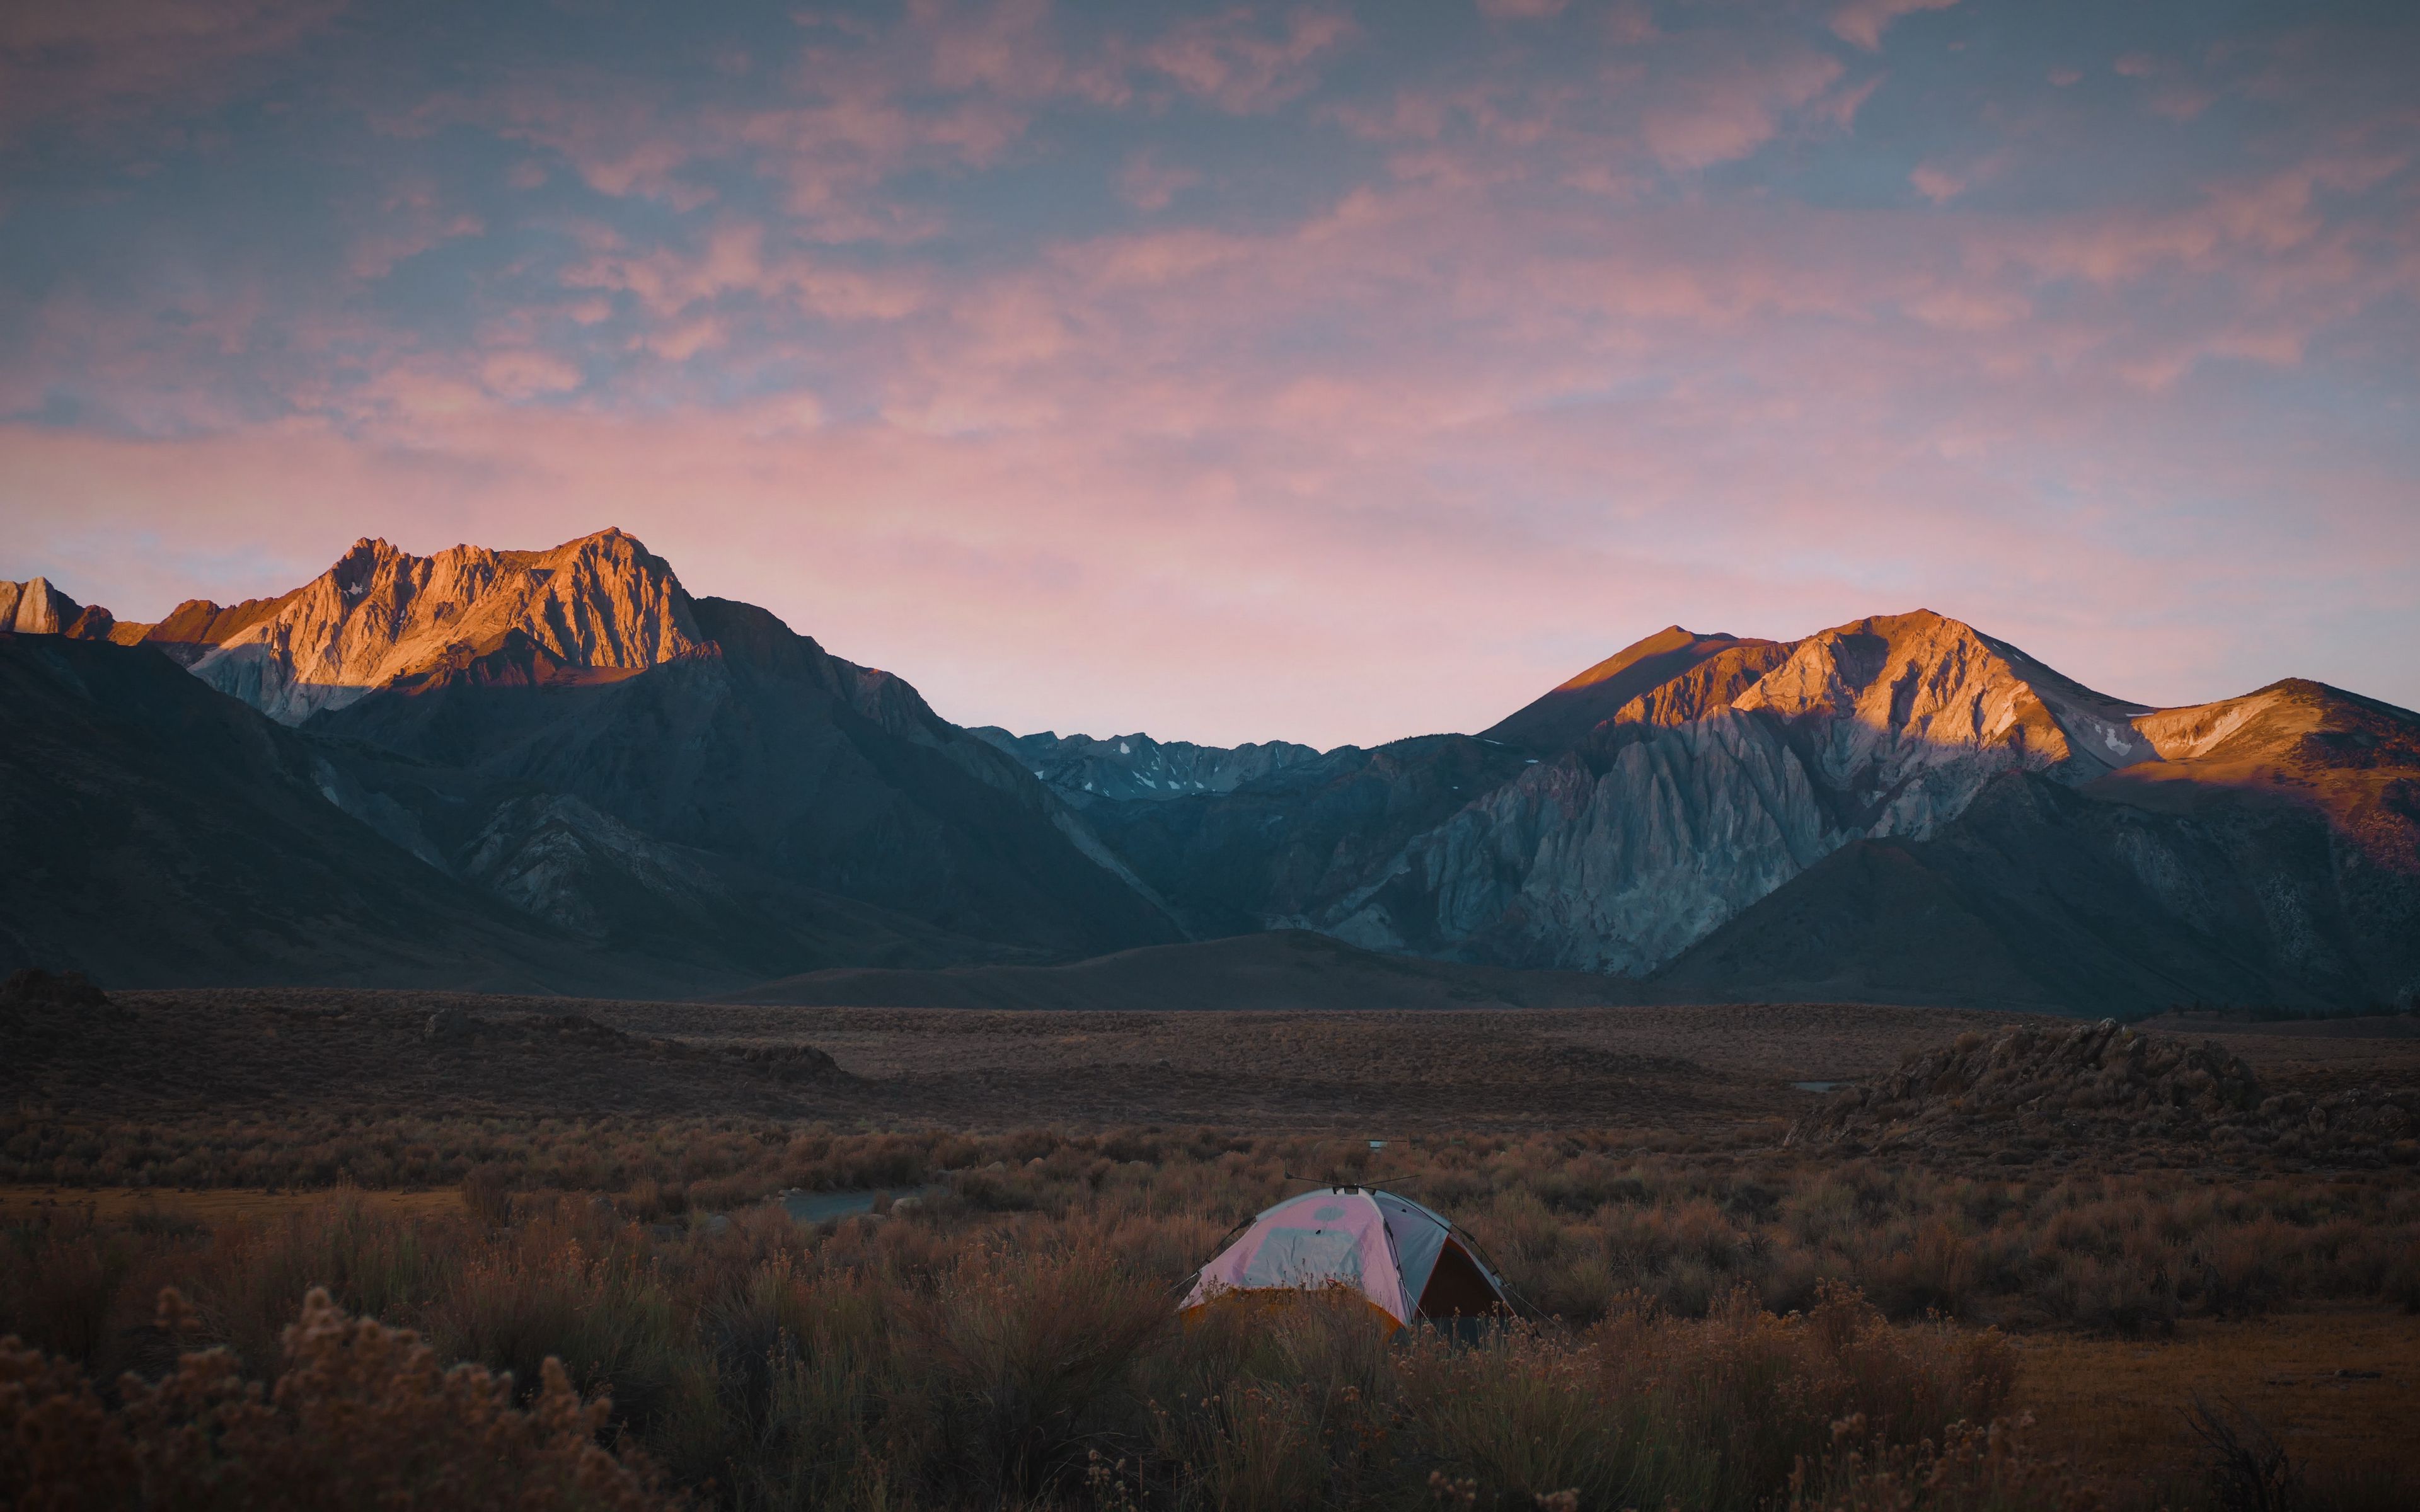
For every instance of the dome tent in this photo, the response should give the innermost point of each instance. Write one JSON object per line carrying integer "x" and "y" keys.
{"x": 1407, "y": 1261}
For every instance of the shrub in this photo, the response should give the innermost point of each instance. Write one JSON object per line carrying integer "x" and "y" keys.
{"x": 1021, "y": 1354}
{"x": 363, "y": 1415}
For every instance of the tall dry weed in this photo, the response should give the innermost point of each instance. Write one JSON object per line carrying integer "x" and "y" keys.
{"x": 361, "y": 1415}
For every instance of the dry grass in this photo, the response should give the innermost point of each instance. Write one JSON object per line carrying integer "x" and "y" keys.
{"x": 2338, "y": 1386}
{"x": 1578, "y": 1223}
{"x": 1705, "y": 1321}
{"x": 360, "y": 1416}
{"x": 1719, "y": 1322}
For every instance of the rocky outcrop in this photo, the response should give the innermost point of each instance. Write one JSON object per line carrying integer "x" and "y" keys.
{"x": 599, "y": 605}
{"x": 453, "y": 1029}
{"x": 1613, "y": 860}
{"x": 2102, "y": 1085}
{"x": 1906, "y": 716}
{"x": 35, "y": 608}
{"x": 196, "y": 626}
{"x": 556, "y": 858}
{"x": 1137, "y": 768}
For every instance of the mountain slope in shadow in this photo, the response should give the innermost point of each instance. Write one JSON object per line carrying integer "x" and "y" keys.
{"x": 158, "y": 832}
{"x": 767, "y": 751}
{"x": 2275, "y": 862}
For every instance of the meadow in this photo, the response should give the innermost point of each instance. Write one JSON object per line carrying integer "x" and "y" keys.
{"x": 1700, "y": 1328}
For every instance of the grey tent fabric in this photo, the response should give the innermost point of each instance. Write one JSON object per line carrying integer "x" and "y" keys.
{"x": 1418, "y": 1236}
{"x": 1305, "y": 1258}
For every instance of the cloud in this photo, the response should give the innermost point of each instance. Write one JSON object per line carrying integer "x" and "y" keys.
{"x": 527, "y": 375}
{"x": 1936, "y": 184}
{"x": 1237, "y": 64}
{"x": 1522, "y": 9}
{"x": 88, "y": 63}
{"x": 1150, "y": 185}
{"x": 1862, "y": 23}
{"x": 1725, "y": 112}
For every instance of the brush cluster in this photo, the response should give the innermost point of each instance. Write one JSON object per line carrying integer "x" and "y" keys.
{"x": 2102, "y": 1083}
{"x": 1031, "y": 1360}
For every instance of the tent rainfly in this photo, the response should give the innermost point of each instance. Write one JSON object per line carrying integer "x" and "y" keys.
{"x": 1406, "y": 1260}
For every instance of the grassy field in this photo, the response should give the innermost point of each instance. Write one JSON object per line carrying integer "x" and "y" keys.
{"x": 1713, "y": 1316}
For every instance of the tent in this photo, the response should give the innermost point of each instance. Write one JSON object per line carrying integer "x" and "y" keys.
{"x": 1409, "y": 1262}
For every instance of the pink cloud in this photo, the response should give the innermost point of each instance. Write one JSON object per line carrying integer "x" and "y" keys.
{"x": 1936, "y": 184}
{"x": 525, "y": 375}
{"x": 1150, "y": 185}
{"x": 1862, "y": 23}
{"x": 1725, "y": 112}
{"x": 1235, "y": 63}
{"x": 736, "y": 259}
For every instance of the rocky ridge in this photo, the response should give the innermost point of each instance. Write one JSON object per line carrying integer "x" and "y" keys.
{"x": 1621, "y": 850}
{"x": 36, "y": 608}
{"x": 1890, "y": 810}
{"x": 684, "y": 786}
{"x": 2101, "y": 1085}
{"x": 1137, "y": 768}
{"x": 2260, "y": 850}
{"x": 600, "y": 604}
{"x": 457, "y": 1030}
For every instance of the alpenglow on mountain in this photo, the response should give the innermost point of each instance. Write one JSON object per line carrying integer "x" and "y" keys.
{"x": 559, "y": 769}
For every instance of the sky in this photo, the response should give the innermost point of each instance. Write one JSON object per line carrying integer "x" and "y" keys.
{"x": 1321, "y": 372}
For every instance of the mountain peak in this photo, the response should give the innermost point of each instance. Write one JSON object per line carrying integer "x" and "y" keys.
{"x": 380, "y": 615}
{"x": 1925, "y": 689}
{"x": 35, "y": 606}
{"x": 1608, "y": 690}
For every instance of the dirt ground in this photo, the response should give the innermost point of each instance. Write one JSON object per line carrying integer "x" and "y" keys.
{"x": 1724, "y": 1073}
{"x": 2338, "y": 1387}
{"x": 206, "y": 1206}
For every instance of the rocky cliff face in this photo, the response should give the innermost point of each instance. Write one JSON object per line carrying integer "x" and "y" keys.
{"x": 1652, "y": 835}
{"x": 1613, "y": 859}
{"x": 1137, "y": 768}
{"x": 601, "y": 604}
{"x": 1683, "y": 779}
{"x": 35, "y": 608}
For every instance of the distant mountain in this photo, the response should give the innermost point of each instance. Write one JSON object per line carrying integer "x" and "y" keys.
{"x": 1662, "y": 814}
{"x": 1136, "y": 767}
{"x": 558, "y": 768}
{"x": 568, "y": 737}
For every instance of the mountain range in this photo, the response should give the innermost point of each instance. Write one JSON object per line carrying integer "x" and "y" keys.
{"x": 560, "y": 771}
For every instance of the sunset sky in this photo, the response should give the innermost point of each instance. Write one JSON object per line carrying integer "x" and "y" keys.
{"x": 1328, "y": 371}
